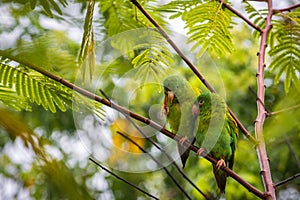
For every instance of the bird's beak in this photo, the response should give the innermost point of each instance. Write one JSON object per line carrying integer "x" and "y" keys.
{"x": 170, "y": 96}
{"x": 195, "y": 110}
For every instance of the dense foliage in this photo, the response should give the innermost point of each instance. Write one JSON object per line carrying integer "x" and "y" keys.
{"x": 49, "y": 131}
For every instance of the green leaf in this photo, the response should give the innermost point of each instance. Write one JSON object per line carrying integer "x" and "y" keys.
{"x": 56, "y": 7}
{"x": 285, "y": 52}
{"x": 257, "y": 16}
{"x": 209, "y": 26}
{"x": 51, "y": 105}
{"x": 86, "y": 56}
{"x": 59, "y": 102}
{"x": 32, "y": 4}
{"x": 27, "y": 85}
{"x": 46, "y": 7}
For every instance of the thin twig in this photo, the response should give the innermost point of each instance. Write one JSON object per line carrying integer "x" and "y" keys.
{"x": 122, "y": 179}
{"x": 284, "y": 110}
{"x": 241, "y": 16}
{"x": 269, "y": 113}
{"x": 136, "y": 116}
{"x": 155, "y": 160}
{"x": 261, "y": 111}
{"x": 191, "y": 66}
{"x": 292, "y": 152}
{"x": 161, "y": 149}
{"x": 286, "y": 9}
{"x": 169, "y": 158}
{"x": 286, "y": 180}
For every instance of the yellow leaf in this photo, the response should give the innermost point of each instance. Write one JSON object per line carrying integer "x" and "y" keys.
{"x": 122, "y": 147}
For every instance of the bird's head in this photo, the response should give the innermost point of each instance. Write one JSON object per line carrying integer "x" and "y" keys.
{"x": 174, "y": 88}
{"x": 202, "y": 103}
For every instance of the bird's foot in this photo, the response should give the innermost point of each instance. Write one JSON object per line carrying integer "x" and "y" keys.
{"x": 183, "y": 140}
{"x": 201, "y": 151}
{"x": 221, "y": 163}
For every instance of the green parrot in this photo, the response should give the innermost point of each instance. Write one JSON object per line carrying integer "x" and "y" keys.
{"x": 217, "y": 133}
{"x": 178, "y": 101}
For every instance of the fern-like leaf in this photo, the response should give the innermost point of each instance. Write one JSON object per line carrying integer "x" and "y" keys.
{"x": 20, "y": 85}
{"x": 152, "y": 57}
{"x": 258, "y": 17}
{"x": 286, "y": 52}
{"x": 208, "y": 26}
{"x": 48, "y": 5}
{"x": 208, "y": 23}
{"x": 11, "y": 99}
{"x": 119, "y": 16}
{"x": 32, "y": 87}
{"x": 52, "y": 51}
{"x": 178, "y": 8}
{"x": 132, "y": 35}
{"x": 148, "y": 52}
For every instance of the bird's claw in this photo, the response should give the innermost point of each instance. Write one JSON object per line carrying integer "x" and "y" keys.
{"x": 183, "y": 140}
{"x": 201, "y": 151}
{"x": 221, "y": 163}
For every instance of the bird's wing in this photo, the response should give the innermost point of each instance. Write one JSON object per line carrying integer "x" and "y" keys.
{"x": 233, "y": 132}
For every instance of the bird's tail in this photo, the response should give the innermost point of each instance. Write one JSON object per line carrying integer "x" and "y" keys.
{"x": 184, "y": 154}
{"x": 220, "y": 177}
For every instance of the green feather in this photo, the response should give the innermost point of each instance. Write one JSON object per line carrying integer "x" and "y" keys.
{"x": 178, "y": 111}
{"x": 217, "y": 133}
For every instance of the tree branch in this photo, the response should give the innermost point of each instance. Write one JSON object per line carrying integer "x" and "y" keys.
{"x": 136, "y": 116}
{"x": 191, "y": 66}
{"x": 161, "y": 149}
{"x": 122, "y": 179}
{"x": 283, "y": 110}
{"x": 241, "y": 16}
{"x": 261, "y": 113}
{"x": 156, "y": 161}
{"x": 292, "y": 152}
{"x": 275, "y": 11}
{"x": 287, "y": 180}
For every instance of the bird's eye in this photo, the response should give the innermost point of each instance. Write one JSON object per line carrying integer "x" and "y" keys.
{"x": 201, "y": 102}
{"x": 176, "y": 86}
